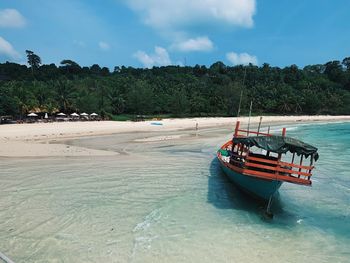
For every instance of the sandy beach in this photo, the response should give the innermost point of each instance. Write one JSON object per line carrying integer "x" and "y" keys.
{"x": 32, "y": 140}
{"x": 140, "y": 192}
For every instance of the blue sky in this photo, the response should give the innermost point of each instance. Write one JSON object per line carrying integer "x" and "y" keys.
{"x": 146, "y": 33}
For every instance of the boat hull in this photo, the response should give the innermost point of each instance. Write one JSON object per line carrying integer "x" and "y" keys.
{"x": 257, "y": 187}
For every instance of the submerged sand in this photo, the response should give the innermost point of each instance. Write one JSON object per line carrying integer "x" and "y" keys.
{"x": 35, "y": 140}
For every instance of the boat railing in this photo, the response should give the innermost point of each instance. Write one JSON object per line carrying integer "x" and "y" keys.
{"x": 284, "y": 171}
{"x": 272, "y": 168}
{"x": 266, "y": 166}
{"x": 244, "y": 133}
{"x": 249, "y": 133}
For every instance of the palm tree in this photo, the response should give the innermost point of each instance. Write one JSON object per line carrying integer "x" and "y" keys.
{"x": 23, "y": 97}
{"x": 65, "y": 92}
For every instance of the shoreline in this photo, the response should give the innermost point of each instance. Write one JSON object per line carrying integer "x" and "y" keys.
{"x": 32, "y": 140}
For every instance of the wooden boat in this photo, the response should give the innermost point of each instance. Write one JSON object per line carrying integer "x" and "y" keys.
{"x": 259, "y": 163}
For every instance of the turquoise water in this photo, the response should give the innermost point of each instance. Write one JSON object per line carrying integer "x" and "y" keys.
{"x": 170, "y": 202}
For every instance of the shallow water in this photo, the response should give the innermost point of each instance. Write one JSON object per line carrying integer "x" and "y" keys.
{"x": 169, "y": 201}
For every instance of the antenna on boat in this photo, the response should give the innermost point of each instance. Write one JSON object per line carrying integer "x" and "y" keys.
{"x": 259, "y": 124}
{"x": 239, "y": 105}
{"x": 250, "y": 113}
{"x": 240, "y": 97}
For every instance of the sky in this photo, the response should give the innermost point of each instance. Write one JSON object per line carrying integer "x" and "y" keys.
{"x": 147, "y": 33}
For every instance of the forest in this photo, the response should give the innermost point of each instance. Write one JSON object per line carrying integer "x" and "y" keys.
{"x": 174, "y": 91}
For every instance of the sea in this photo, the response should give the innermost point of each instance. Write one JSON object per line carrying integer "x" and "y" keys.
{"x": 168, "y": 201}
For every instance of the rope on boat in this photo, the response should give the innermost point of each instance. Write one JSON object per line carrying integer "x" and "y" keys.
{"x": 6, "y": 259}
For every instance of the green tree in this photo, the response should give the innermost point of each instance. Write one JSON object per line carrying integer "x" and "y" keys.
{"x": 346, "y": 63}
{"x": 25, "y": 100}
{"x": 179, "y": 101}
{"x": 70, "y": 66}
{"x": 175, "y": 90}
{"x": 117, "y": 101}
{"x": 140, "y": 98}
{"x": 8, "y": 104}
{"x": 334, "y": 71}
{"x": 33, "y": 60}
{"x": 66, "y": 94}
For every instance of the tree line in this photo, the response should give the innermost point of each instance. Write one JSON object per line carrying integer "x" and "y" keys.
{"x": 173, "y": 90}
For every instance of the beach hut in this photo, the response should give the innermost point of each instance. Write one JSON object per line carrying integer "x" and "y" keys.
{"x": 93, "y": 116}
{"x": 32, "y": 116}
{"x": 60, "y": 116}
{"x": 84, "y": 116}
{"x": 75, "y": 116}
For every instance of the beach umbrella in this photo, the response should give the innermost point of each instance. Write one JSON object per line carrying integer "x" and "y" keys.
{"x": 32, "y": 115}
{"x": 74, "y": 114}
{"x": 84, "y": 114}
{"x": 46, "y": 116}
{"x": 61, "y": 114}
{"x": 93, "y": 114}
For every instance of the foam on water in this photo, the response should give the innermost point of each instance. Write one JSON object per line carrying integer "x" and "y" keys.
{"x": 168, "y": 201}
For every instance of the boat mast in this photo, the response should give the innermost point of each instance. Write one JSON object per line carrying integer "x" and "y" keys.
{"x": 250, "y": 113}
{"x": 259, "y": 124}
{"x": 240, "y": 97}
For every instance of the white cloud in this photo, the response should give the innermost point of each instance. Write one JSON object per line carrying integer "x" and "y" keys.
{"x": 172, "y": 14}
{"x": 194, "y": 44}
{"x": 104, "y": 45}
{"x": 11, "y": 18}
{"x": 160, "y": 57}
{"x": 7, "y": 50}
{"x": 241, "y": 59}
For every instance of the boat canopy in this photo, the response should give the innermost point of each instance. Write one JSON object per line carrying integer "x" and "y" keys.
{"x": 278, "y": 144}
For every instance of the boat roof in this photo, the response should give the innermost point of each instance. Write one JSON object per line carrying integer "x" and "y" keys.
{"x": 278, "y": 144}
